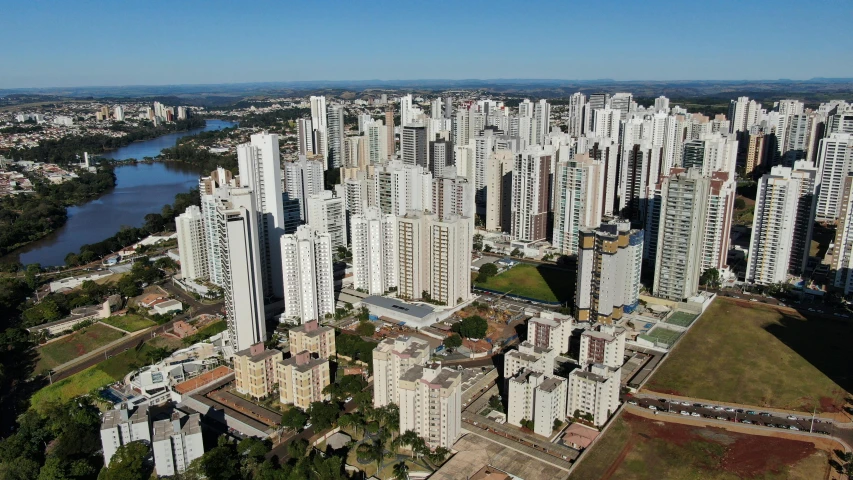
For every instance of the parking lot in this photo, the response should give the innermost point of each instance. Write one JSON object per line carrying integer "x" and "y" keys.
{"x": 730, "y": 414}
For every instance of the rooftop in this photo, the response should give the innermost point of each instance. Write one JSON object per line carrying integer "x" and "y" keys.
{"x": 419, "y": 311}
{"x": 550, "y": 384}
{"x": 258, "y": 357}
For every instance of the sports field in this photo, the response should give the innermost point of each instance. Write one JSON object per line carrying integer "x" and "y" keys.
{"x": 662, "y": 335}
{"x": 72, "y": 346}
{"x": 640, "y": 448}
{"x": 540, "y": 282}
{"x": 754, "y": 354}
{"x": 130, "y": 323}
{"x": 682, "y": 319}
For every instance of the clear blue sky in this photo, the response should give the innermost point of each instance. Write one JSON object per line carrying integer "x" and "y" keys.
{"x": 131, "y": 42}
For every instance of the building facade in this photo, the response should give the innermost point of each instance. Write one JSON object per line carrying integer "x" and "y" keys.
{"x": 308, "y": 276}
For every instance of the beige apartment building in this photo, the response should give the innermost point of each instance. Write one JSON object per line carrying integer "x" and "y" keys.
{"x": 254, "y": 370}
{"x": 312, "y": 337}
{"x": 430, "y": 400}
{"x": 302, "y": 380}
{"x": 391, "y": 358}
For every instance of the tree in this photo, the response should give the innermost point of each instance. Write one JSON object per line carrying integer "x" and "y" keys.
{"x": 495, "y": 403}
{"x": 438, "y": 455}
{"x": 477, "y": 243}
{"x": 557, "y": 424}
{"x": 293, "y": 419}
{"x": 516, "y": 253}
{"x": 710, "y": 278}
{"x": 130, "y": 462}
{"x": 474, "y": 326}
{"x": 740, "y": 204}
{"x": 487, "y": 248}
{"x": 365, "y": 329}
{"x": 528, "y": 424}
{"x": 220, "y": 463}
{"x": 487, "y": 271}
{"x": 453, "y": 341}
{"x": 297, "y": 448}
{"x": 322, "y": 414}
{"x": 401, "y": 471}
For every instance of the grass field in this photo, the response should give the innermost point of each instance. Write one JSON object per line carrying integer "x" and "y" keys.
{"x": 72, "y": 346}
{"x": 662, "y": 335}
{"x": 206, "y": 332}
{"x": 538, "y": 282}
{"x": 92, "y": 378}
{"x": 130, "y": 323}
{"x": 637, "y": 448}
{"x": 757, "y": 355}
{"x": 682, "y": 319}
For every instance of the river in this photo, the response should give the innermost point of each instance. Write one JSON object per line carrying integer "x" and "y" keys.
{"x": 140, "y": 189}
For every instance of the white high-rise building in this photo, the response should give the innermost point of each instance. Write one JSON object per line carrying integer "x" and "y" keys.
{"x": 682, "y": 211}
{"x": 606, "y": 346}
{"x": 541, "y": 121}
{"x": 593, "y": 392}
{"x": 376, "y": 135}
{"x": 414, "y": 147}
{"x": 260, "y": 171}
{"x": 711, "y": 152}
{"x": 622, "y": 102}
{"x": 843, "y": 254}
{"x": 498, "y": 186}
{"x": 536, "y": 397}
{"x": 743, "y": 113}
{"x": 531, "y": 196}
{"x": 308, "y": 276}
{"x": 391, "y": 358}
{"x": 241, "y": 266}
{"x": 327, "y": 214}
{"x": 176, "y": 442}
{"x": 336, "y": 135}
{"x": 530, "y": 357}
{"x": 302, "y": 178}
{"x": 662, "y": 104}
{"x": 578, "y": 200}
{"x": 430, "y": 400}
{"x": 452, "y": 195}
{"x": 118, "y": 113}
{"x": 189, "y": 227}
{"x": 399, "y": 188}
{"x": 835, "y": 160}
{"x": 576, "y": 107}
{"x": 550, "y": 330}
{"x": 211, "y": 190}
{"x": 718, "y": 222}
{"x": 320, "y": 124}
{"x": 374, "y": 254}
{"x": 406, "y": 113}
{"x": 305, "y": 136}
{"x": 773, "y": 227}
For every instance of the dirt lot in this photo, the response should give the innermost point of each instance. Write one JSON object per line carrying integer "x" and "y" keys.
{"x": 636, "y": 447}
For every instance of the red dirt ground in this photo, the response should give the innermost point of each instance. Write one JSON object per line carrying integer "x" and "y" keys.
{"x": 745, "y": 455}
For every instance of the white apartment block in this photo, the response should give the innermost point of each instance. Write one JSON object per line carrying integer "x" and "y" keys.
{"x": 843, "y": 255}
{"x": 608, "y": 272}
{"x": 122, "y": 426}
{"x": 530, "y": 357}
{"x": 374, "y": 251}
{"x": 718, "y": 221}
{"x": 192, "y": 247}
{"x": 301, "y": 380}
{"x": 537, "y": 397}
{"x": 302, "y": 178}
{"x": 327, "y": 214}
{"x": 211, "y": 194}
{"x": 308, "y": 275}
{"x": 239, "y": 247}
{"x": 743, "y": 113}
{"x": 391, "y": 358}
{"x": 550, "y": 330}
{"x": 430, "y": 400}
{"x": 260, "y": 171}
{"x": 605, "y": 346}
{"x": 594, "y": 392}
{"x": 399, "y": 188}
{"x": 452, "y": 195}
{"x": 176, "y": 443}
{"x": 376, "y": 135}
{"x": 578, "y": 200}
{"x": 835, "y": 160}
{"x": 531, "y": 197}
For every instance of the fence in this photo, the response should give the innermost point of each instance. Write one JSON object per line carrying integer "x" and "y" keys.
{"x": 518, "y": 297}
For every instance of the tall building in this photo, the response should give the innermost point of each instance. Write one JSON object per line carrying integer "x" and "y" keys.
{"x": 452, "y": 195}
{"x": 176, "y": 442}
{"x": 756, "y": 150}
{"x": 305, "y": 136}
{"x": 391, "y": 358}
{"x": 842, "y": 258}
{"x": 399, "y": 188}
{"x": 430, "y": 400}
{"x": 211, "y": 191}
{"x": 550, "y": 330}
{"x": 302, "y": 178}
{"x": 440, "y": 157}
{"x": 711, "y": 152}
{"x": 320, "y": 125}
{"x": 531, "y": 194}
{"x": 118, "y": 113}
{"x": 536, "y": 397}
{"x": 301, "y": 380}
{"x": 313, "y": 338}
{"x": 498, "y": 186}
{"x": 718, "y": 222}
{"x": 374, "y": 251}
{"x": 192, "y": 249}
{"x": 255, "y": 370}
{"x": 593, "y": 392}
{"x": 327, "y": 214}
{"x": 606, "y": 346}
{"x": 308, "y": 275}
{"x": 239, "y": 247}
{"x": 662, "y": 104}
{"x": 336, "y": 135}
{"x": 743, "y": 113}
{"x": 578, "y": 199}
{"x": 608, "y": 272}
{"x": 406, "y": 117}
{"x": 376, "y": 142}
{"x": 682, "y": 212}
{"x": 260, "y": 170}
{"x": 541, "y": 121}
{"x": 390, "y": 142}
{"x": 835, "y": 160}
{"x": 576, "y": 106}
{"x": 414, "y": 148}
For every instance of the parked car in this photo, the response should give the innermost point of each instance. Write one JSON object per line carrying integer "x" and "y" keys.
{"x": 652, "y": 407}
{"x": 696, "y": 414}
{"x": 685, "y": 413}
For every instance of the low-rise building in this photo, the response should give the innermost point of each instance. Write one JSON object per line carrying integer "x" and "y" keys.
{"x": 593, "y": 393}
{"x": 302, "y": 380}
{"x": 550, "y": 330}
{"x": 391, "y": 358}
{"x": 120, "y": 427}
{"x": 313, "y": 338}
{"x": 605, "y": 346}
{"x": 430, "y": 401}
{"x": 176, "y": 443}
{"x": 255, "y": 370}
{"x": 531, "y": 357}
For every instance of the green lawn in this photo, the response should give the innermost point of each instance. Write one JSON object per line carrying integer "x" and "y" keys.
{"x": 206, "y": 332}
{"x": 91, "y": 379}
{"x": 682, "y": 319}
{"x": 662, "y": 335}
{"x": 757, "y": 355}
{"x": 542, "y": 282}
{"x": 130, "y": 323}
{"x": 637, "y": 448}
{"x": 72, "y": 346}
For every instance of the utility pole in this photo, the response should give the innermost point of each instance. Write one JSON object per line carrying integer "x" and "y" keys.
{"x": 811, "y": 428}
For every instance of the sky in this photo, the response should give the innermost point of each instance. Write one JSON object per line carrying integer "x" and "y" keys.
{"x": 136, "y": 42}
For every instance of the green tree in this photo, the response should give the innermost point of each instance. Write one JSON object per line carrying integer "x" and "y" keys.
{"x": 495, "y": 403}
{"x": 130, "y": 462}
{"x": 365, "y": 329}
{"x": 453, "y": 341}
{"x": 516, "y": 253}
{"x": 474, "y": 326}
{"x": 438, "y": 455}
{"x": 294, "y": 419}
{"x": 323, "y": 415}
{"x": 477, "y": 243}
{"x": 401, "y": 471}
{"x": 710, "y": 278}
{"x": 487, "y": 271}
{"x": 297, "y": 448}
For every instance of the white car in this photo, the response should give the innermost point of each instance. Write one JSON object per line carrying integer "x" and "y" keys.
{"x": 695, "y": 414}
{"x": 685, "y": 413}
{"x": 791, "y": 417}
{"x": 719, "y": 409}
{"x": 348, "y": 399}
{"x": 686, "y": 404}
{"x": 729, "y": 409}
{"x": 307, "y": 425}
{"x": 652, "y": 407}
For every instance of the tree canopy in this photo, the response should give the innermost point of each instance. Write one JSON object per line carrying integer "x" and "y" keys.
{"x": 474, "y": 326}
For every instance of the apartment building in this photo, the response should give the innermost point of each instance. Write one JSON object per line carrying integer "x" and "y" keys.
{"x": 842, "y": 258}
{"x": 605, "y": 346}
{"x": 301, "y": 380}
{"x": 550, "y": 330}
{"x": 122, "y": 426}
{"x": 593, "y": 392}
{"x": 430, "y": 400}
{"x": 327, "y": 214}
{"x": 391, "y": 358}
{"x": 835, "y": 160}
{"x": 313, "y": 338}
{"x": 255, "y": 371}
{"x": 176, "y": 442}
{"x": 192, "y": 248}
{"x": 374, "y": 251}
{"x": 578, "y": 200}
{"x": 531, "y": 193}
{"x": 308, "y": 276}
{"x": 537, "y": 397}
{"x": 530, "y": 357}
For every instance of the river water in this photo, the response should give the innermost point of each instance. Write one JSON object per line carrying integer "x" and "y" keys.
{"x": 140, "y": 189}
